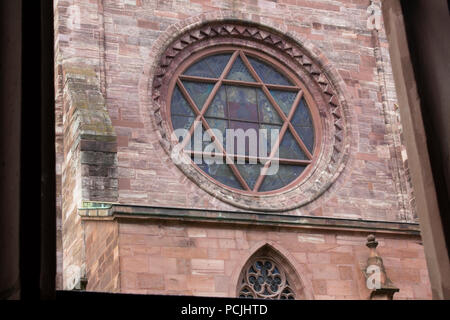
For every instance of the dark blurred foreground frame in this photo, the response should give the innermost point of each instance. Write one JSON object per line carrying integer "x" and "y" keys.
{"x": 419, "y": 45}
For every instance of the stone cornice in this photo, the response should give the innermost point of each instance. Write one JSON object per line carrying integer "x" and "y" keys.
{"x": 113, "y": 211}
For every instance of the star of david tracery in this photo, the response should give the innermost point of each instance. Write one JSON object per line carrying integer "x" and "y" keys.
{"x": 237, "y": 90}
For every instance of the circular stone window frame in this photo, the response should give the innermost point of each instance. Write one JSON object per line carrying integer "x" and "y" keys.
{"x": 278, "y": 66}
{"x": 335, "y": 140}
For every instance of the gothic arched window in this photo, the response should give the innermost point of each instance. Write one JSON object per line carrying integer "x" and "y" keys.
{"x": 237, "y": 88}
{"x": 264, "y": 278}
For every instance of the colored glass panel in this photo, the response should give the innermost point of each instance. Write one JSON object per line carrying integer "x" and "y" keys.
{"x": 289, "y": 148}
{"x": 271, "y": 136}
{"x": 250, "y": 172}
{"x": 284, "y": 99}
{"x": 179, "y": 105}
{"x": 198, "y": 91}
{"x": 267, "y": 112}
{"x": 243, "y": 136}
{"x": 307, "y": 136}
{"x": 267, "y": 73}
{"x": 221, "y": 173}
{"x": 239, "y": 71}
{"x": 242, "y": 103}
{"x": 218, "y": 107}
{"x": 302, "y": 116}
{"x": 209, "y": 67}
{"x": 244, "y": 107}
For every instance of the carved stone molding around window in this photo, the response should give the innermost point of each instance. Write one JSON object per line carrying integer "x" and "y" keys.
{"x": 310, "y": 66}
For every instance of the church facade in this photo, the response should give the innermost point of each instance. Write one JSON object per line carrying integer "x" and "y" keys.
{"x": 155, "y": 193}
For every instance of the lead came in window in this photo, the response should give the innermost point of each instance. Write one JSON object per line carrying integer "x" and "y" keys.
{"x": 240, "y": 90}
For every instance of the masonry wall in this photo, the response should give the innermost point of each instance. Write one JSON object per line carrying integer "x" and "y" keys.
{"x": 113, "y": 40}
{"x": 205, "y": 259}
{"x": 102, "y": 256}
{"x": 373, "y": 185}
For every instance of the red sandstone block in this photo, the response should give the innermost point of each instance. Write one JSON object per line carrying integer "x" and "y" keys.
{"x": 319, "y": 287}
{"x": 324, "y": 271}
{"x": 196, "y": 232}
{"x": 138, "y": 228}
{"x": 227, "y": 243}
{"x": 342, "y": 258}
{"x": 230, "y": 266}
{"x": 409, "y": 253}
{"x": 415, "y": 263}
{"x": 150, "y": 281}
{"x": 177, "y": 231}
{"x": 132, "y": 239}
{"x": 311, "y": 238}
{"x": 218, "y": 233}
{"x": 122, "y": 141}
{"x": 147, "y": 24}
{"x": 124, "y": 184}
{"x": 324, "y": 297}
{"x": 134, "y": 291}
{"x": 201, "y": 283}
{"x": 317, "y": 5}
{"x": 254, "y": 235}
{"x": 340, "y": 287}
{"x": 175, "y": 252}
{"x": 183, "y": 266}
{"x": 162, "y": 265}
{"x": 300, "y": 257}
{"x": 175, "y": 283}
{"x": 319, "y": 258}
{"x": 207, "y": 266}
{"x": 222, "y": 254}
{"x": 128, "y": 280}
{"x": 346, "y": 272}
{"x": 206, "y": 243}
{"x": 422, "y": 291}
{"x": 134, "y": 263}
{"x": 406, "y": 292}
{"x": 222, "y": 283}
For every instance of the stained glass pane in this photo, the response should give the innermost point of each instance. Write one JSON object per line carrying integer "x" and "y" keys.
{"x": 217, "y": 63}
{"x": 209, "y": 67}
{"x": 220, "y": 125}
{"x": 302, "y": 116}
{"x": 271, "y": 182}
{"x": 239, "y": 71}
{"x": 242, "y": 138}
{"x": 267, "y": 73}
{"x": 179, "y": 105}
{"x": 218, "y": 107}
{"x": 243, "y": 107}
{"x": 242, "y": 103}
{"x": 284, "y": 99}
{"x": 197, "y": 143}
{"x": 269, "y": 139}
{"x": 222, "y": 173}
{"x": 289, "y": 173}
{"x": 250, "y": 172}
{"x": 200, "y": 69}
{"x": 182, "y": 122}
{"x": 198, "y": 91}
{"x": 307, "y": 136}
{"x": 267, "y": 112}
{"x": 289, "y": 148}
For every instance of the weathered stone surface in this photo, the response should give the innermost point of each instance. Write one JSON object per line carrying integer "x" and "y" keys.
{"x": 109, "y": 150}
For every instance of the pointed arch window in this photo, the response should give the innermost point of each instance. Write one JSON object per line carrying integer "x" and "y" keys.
{"x": 264, "y": 278}
{"x": 238, "y": 88}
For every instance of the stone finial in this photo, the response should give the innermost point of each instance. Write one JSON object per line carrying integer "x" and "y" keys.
{"x": 371, "y": 241}
{"x": 377, "y": 280}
